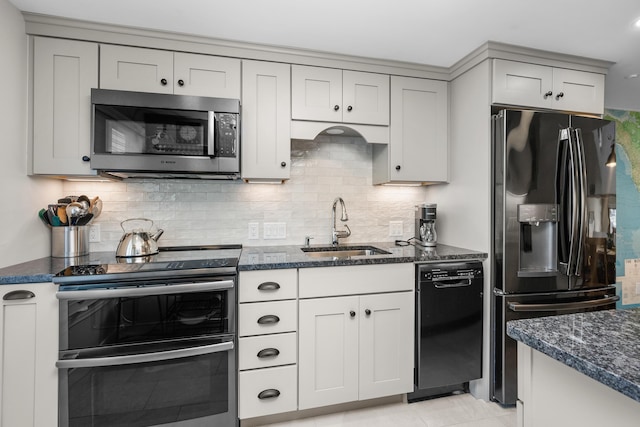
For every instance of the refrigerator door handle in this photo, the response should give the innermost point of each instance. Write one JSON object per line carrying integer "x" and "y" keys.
{"x": 567, "y": 135}
{"x": 582, "y": 206}
{"x": 519, "y": 307}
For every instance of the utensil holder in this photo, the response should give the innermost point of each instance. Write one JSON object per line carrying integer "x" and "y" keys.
{"x": 67, "y": 242}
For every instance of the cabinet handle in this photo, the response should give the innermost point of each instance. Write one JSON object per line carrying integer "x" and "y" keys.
{"x": 269, "y": 393}
{"x": 367, "y": 312}
{"x": 352, "y": 313}
{"x": 86, "y": 158}
{"x": 268, "y": 319}
{"x": 560, "y": 95}
{"x": 548, "y": 94}
{"x": 398, "y": 167}
{"x": 163, "y": 82}
{"x": 336, "y": 107}
{"x": 349, "y": 108}
{"x": 283, "y": 164}
{"x": 180, "y": 82}
{"x": 268, "y": 286}
{"x": 268, "y": 352}
{"x": 15, "y": 295}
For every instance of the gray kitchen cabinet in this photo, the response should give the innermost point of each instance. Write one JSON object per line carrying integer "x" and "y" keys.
{"x": 333, "y": 95}
{"x": 161, "y": 71}
{"x": 29, "y": 337}
{"x": 267, "y": 343}
{"x": 418, "y": 149}
{"x": 64, "y": 71}
{"x": 540, "y": 86}
{"x": 355, "y": 333}
{"x": 266, "y": 121}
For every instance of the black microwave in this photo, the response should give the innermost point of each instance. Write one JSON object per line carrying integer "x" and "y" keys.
{"x": 151, "y": 135}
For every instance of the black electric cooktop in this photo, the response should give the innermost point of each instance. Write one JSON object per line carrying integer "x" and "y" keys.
{"x": 180, "y": 261}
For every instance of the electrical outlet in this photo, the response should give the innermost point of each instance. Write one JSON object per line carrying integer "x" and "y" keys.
{"x": 395, "y": 228}
{"x": 254, "y": 231}
{"x": 275, "y": 230}
{"x": 94, "y": 233}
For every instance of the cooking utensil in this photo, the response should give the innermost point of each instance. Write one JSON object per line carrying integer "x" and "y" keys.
{"x": 62, "y": 214}
{"x": 42, "y": 214}
{"x": 74, "y": 210}
{"x": 84, "y": 219}
{"x": 95, "y": 206}
{"x": 138, "y": 242}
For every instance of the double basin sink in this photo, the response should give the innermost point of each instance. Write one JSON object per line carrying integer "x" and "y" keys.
{"x": 343, "y": 251}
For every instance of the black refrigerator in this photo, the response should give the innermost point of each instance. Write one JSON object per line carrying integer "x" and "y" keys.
{"x": 553, "y": 220}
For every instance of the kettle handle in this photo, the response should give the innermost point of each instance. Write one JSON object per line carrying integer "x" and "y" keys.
{"x": 135, "y": 219}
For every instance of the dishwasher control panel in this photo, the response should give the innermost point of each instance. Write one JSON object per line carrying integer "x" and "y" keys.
{"x": 451, "y": 270}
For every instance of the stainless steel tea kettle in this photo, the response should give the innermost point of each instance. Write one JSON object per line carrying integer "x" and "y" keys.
{"x": 138, "y": 242}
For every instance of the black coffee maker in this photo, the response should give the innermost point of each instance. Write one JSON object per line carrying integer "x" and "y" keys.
{"x": 426, "y": 225}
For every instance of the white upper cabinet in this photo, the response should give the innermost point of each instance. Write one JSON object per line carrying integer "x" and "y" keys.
{"x": 540, "y": 86}
{"x": 160, "y": 71}
{"x": 64, "y": 71}
{"x": 332, "y": 95}
{"x": 266, "y": 121}
{"x": 418, "y": 149}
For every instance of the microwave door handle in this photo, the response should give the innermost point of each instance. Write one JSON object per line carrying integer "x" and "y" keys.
{"x": 145, "y": 357}
{"x": 126, "y": 292}
{"x": 211, "y": 123}
{"x": 518, "y": 307}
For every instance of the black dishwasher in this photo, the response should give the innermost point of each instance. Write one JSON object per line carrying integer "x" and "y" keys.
{"x": 448, "y": 327}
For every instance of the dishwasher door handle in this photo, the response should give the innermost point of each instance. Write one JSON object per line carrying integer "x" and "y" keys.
{"x": 451, "y": 283}
{"x": 518, "y": 307}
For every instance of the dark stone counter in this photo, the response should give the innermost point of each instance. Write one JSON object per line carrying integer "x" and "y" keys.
{"x": 604, "y": 345}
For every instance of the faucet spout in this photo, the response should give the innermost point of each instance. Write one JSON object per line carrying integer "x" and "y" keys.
{"x": 335, "y": 233}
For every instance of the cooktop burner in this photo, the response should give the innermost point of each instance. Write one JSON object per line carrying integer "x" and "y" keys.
{"x": 182, "y": 261}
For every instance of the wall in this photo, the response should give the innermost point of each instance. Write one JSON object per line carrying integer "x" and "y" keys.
{"x": 23, "y": 236}
{"x": 212, "y": 212}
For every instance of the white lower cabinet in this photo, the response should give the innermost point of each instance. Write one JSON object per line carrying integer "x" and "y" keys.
{"x": 267, "y": 343}
{"x": 360, "y": 346}
{"x": 29, "y": 337}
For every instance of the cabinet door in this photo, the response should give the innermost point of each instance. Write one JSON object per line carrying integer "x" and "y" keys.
{"x": 266, "y": 120}
{"x": 316, "y": 94}
{"x": 386, "y": 344}
{"x": 136, "y": 69}
{"x": 29, "y": 337}
{"x": 206, "y": 75}
{"x": 328, "y": 351}
{"x": 519, "y": 83}
{"x": 581, "y": 91}
{"x": 365, "y": 98}
{"x": 418, "y": 130}
{"x": 64, "y": 71}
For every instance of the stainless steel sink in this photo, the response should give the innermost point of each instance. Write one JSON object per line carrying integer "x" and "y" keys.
{"x": 343, "y": 251}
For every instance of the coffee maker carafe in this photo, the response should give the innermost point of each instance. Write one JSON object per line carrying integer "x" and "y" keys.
{"x": 426, "y": 225}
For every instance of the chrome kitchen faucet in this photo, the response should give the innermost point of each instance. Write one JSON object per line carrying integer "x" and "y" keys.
{"x": 337, "y": 234}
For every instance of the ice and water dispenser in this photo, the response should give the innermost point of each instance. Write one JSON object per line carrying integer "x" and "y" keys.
{"x": 538, "y": 239}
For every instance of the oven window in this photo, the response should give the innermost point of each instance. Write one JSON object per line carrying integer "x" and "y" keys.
{"x": 101, "y": 322}
{"x": 153, "y": 393}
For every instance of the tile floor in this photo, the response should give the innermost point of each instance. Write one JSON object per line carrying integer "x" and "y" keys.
{"x": 461, "y": 410}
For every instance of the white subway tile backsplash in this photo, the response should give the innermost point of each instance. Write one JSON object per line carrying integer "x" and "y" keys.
{"x": 210, "y": 212}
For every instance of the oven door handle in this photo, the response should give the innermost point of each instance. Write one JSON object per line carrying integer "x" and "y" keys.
{"x": 145, "y": 357}
{"x": 125, "y": 292}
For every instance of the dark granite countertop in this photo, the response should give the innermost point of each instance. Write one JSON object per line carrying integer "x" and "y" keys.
{"x": 252, "y": 258}
{"x": 276, "y": 257}
{"x": 604, "y": 345}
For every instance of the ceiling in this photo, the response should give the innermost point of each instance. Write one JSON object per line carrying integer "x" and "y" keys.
{"x": 433, "y": 32}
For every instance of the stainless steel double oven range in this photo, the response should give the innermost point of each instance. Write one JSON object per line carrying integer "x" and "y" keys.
{"x": 149, "y": 343}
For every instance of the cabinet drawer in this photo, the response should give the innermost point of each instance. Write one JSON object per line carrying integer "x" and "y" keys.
{"x": 267, "y": 318}
{"x": 267, "y": 285}
{"x": 254, "y": 387}
{"x": 283, "y": 345}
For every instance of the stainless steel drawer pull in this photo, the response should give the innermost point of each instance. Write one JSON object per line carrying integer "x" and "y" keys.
{"x": 268, "y": 319}
{"x": 16, "y": 295}
{"x": 268, "y": 393}
{"x": 268, "y": 352}
{"x": 268, "y": 286}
